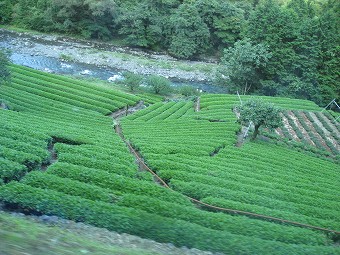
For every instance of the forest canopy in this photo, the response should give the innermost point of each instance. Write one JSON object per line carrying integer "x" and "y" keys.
{"x": 300, "y": 37}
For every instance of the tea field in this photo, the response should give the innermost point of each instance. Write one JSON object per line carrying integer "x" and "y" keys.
{"x": 60, "y": 155}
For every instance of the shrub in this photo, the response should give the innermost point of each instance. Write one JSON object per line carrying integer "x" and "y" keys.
{"x": 146, "y": 225}
{"x": 158, "y": 84}
{"x": 132, "y": 80}
{"x": 188, "y": 90}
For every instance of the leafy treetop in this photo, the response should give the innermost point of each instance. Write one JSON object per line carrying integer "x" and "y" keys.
{"x": 260, "y": 113}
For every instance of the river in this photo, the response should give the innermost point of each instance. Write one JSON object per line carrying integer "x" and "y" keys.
{"x": 89, "y": 59}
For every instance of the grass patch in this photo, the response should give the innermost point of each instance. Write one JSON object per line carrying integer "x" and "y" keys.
{"x": 20, "y": 235}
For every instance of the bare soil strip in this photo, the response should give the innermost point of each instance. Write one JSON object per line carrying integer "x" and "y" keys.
{"x": 319, "y": 137}
{"x": 279, "y": 132}
{"x": 327, "y": 134}
{"x": 334, "y": 128}
{"x": 290, "y": 129}
{"x": 300, "y": 127}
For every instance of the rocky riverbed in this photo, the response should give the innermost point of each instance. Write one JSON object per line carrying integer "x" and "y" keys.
{"x": 107, "y": 55}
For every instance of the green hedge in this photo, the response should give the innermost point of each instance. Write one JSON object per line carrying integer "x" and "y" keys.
{"x": 27, "y": 102}
{"x": 118, "y": 153}
{"x": 107, "y": 165}
{"x": 78, "y": 84}
{"x": 70, "y": 187}
{"x": 200, "y": 191}
{"x": 67, "y": 88}
{"x": 221, "y": 202}
{"x": 137, "y": 222}
{"x": 239, "y": 185}
{"x": 52, "y": 96}
{"x": 10, "y": 170}
{"x": 25, "y": 147}
{"x": 31, "y": 161}
{"x": 219, "y": 221}
{"x": 116, "y": 182}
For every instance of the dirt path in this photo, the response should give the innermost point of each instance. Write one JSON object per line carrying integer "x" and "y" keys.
{"x": 241, "y": 137}
{"x": 53, "y": 159}
{"x": 127, "y": 110}
{"x": 118, "y": 129}
{"x": 198, "y": 104}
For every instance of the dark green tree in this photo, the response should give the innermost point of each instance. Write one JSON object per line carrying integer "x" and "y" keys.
{"x": 6, "y": 10}
{"x": 242, "y": 65}
{"x": 276, "y": 27}
{"x": 189, "y": 34}
{"x": 132, "y": 80}
{"x": 261, "y": 114}
{"x": 291, "y": 34}
{"x": 226, "y": 21}
{"x": 90, "y": 18}
{"x": 141, "y": 24}
{"x": 329, "y": 37}
{"x": 158, "y": 84}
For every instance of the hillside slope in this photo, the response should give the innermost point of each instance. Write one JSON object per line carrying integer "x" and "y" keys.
{"x": 60, "y": 156}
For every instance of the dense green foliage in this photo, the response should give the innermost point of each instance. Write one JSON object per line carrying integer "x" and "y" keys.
{"x": 132, "y": 81}
{"x": 241, "y": 66}
{"x": 158, "y": 84}
{"x": 260, "y": 114}
{"x": 139, "y": 222}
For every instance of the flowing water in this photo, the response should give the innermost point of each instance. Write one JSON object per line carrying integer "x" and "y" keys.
{"x": 24, "y": 52}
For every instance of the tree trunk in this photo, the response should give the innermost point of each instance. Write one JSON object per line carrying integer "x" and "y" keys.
{"x": 256, "y": 132}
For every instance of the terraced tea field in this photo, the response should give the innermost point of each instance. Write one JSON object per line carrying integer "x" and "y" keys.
{"x": 60, "y": 156}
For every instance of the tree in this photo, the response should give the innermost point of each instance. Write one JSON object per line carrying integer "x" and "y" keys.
{"x": 4, "y": 70}
{"x": 6, "y": 7}
{"x": 132, "y": 80}
{"x": 329, "y": 37}
{"x": 225, "y": 20}
{"x": 189, "y": 34}
{"x": 159, "y": 84}
{"x": 260, "y": 113}
{"x": 290, "y": 31}
{"x": 140, "y": 23}
{"x": 276, "y": 27}
{"x": 242, "y": 66}
{"x": 91, "y": 18}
